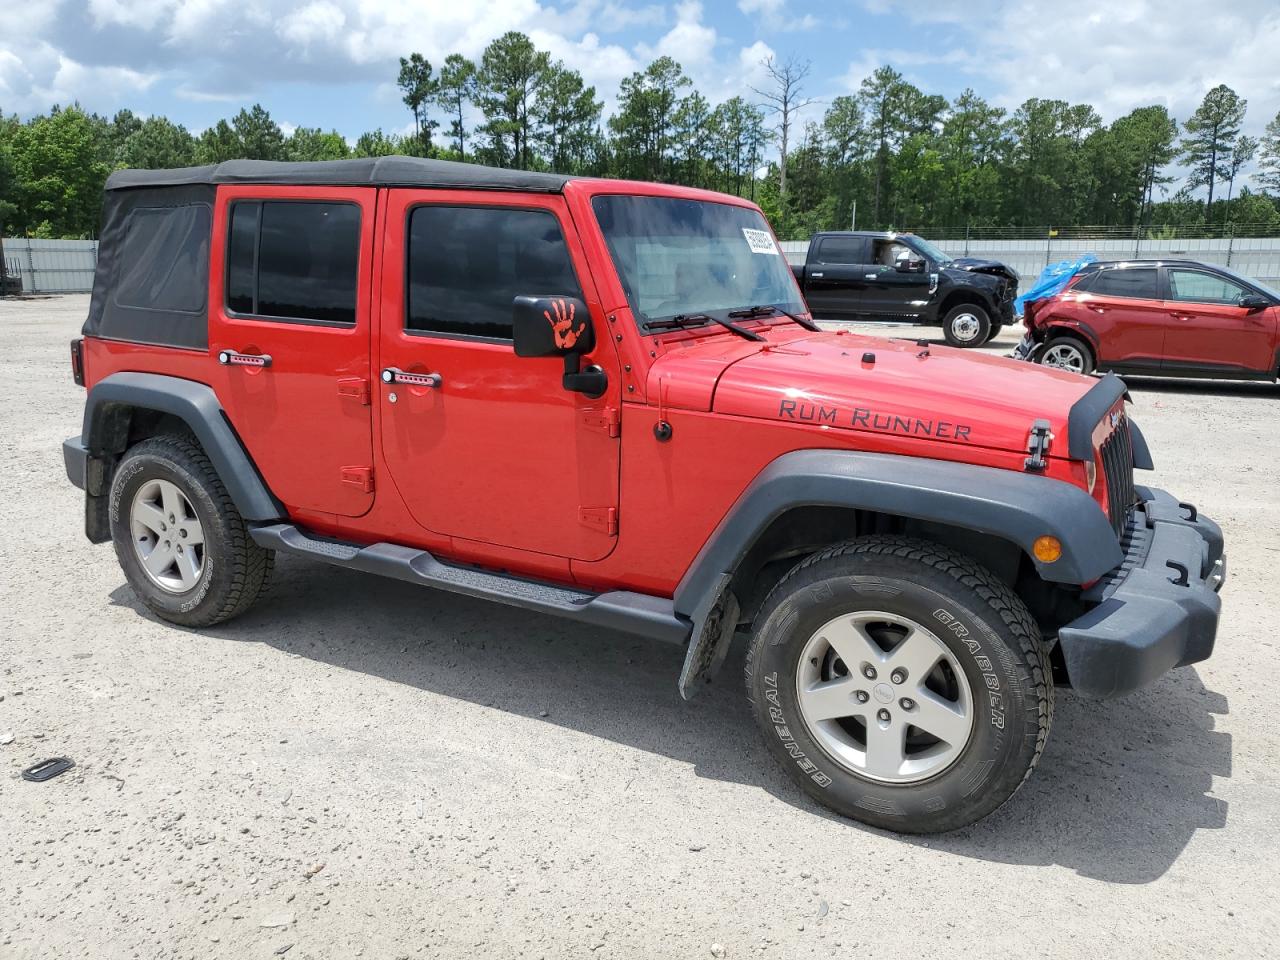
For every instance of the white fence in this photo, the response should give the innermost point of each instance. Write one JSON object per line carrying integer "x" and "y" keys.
{"x": 66, "y": 266}
{"x": 52, "y": 266}
{"x": 1253, "y": 257}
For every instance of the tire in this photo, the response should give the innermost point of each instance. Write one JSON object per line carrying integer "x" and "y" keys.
{"x": 966, "y": 325}
{"x": 210, "y": 570}
{"x": 996, "y": 328}
{"x": 991, "y": 663}
{"x": 1066, "y": 353}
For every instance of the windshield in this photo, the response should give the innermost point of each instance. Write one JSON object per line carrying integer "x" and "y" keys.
{"x": 929, "y": 250}
{"x": 694, "y": 257}
{"x": 1252, "y": 282}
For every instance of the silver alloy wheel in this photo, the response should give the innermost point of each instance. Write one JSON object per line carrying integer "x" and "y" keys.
{"x": 167, "y": 536}
{"x": 1064, "y": 356}
{"x": 965, "y": 327}
{"x": 884, "y": 697}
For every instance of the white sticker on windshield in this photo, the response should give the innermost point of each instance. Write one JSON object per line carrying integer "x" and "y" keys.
{"x": 760, "y": 241}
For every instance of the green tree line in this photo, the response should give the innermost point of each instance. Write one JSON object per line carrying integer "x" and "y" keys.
{"x": 904, "y": 158}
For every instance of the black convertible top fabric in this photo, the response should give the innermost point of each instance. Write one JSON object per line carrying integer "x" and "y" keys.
{"x": 152, "y": 279}
{"x": 373, "y": 172}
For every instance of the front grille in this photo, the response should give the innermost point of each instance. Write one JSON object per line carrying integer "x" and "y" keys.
{"x": 1117, "y": 469}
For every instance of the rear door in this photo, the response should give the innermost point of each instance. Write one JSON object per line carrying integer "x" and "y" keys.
{"x": 835, "y": 281}
{"x": 493, "y": 448}
{"x": 891, "y": 293}
{"x": 1126, "y": 311}
{"x": 289, "y": 327}
{"x": 1208, "y": 328}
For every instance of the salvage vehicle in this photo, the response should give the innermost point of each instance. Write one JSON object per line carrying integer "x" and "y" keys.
{"x": 431, "y": 371}
{"x": 899, "y": 276}
{"x": 1165, "y": 318}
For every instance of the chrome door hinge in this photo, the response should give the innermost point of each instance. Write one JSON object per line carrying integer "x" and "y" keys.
{"x": 604, "y": 519}
{"x": 360, "y": 477}
{"x": 609, "y": 420}
{"x": 356, "y": 388}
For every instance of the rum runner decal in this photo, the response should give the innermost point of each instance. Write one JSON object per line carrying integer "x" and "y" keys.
{"x": 864, "y": 418}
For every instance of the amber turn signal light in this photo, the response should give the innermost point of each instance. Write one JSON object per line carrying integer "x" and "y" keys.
{"x": 1047, "y": 549}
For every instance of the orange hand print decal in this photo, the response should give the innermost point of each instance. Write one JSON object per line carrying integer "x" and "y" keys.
{"x": 562, "y": 327}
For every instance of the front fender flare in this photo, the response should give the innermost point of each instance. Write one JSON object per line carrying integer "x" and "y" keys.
{"x": 1017, "y": 507}
{"x": 196, "y": 405}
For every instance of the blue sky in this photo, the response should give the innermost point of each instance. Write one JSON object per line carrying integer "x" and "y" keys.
{"x": 332, "y": 63}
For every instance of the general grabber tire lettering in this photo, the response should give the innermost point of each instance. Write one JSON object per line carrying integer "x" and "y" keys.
{"x": 180, "y": 540}
{"x": 933, "y": 637}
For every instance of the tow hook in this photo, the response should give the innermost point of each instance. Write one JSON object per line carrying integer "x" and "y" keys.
{"x": 1038, "y": 443}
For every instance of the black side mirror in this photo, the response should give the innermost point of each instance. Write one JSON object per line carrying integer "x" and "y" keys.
{"x": 1254, "y": 301}
{"x": 551, "y": 327}
{"x": 558, "y": 327}
{"x": 909, "y": 266}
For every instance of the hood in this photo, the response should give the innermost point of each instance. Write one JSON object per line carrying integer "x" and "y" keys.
{"x": 939, "y": 394}
{"x": 977, "y": 265}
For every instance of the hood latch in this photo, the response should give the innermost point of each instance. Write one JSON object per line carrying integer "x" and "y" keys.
{"x": 1038, "y": 443}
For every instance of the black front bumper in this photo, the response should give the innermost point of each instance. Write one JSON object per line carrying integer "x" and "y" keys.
{"x": 1159, "y": 609}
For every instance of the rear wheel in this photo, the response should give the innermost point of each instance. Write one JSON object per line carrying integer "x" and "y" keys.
{"x": 1066, "y": 353}
{"x": 901, "y": 684}
{"x": 180, "y": 540}
{"x": 966, "y": 325}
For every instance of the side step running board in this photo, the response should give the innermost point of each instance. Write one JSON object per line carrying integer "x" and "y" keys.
{"x": 637, "y": 613}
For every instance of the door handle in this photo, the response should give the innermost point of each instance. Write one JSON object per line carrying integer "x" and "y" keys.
{"x": 871, "y": 276}
{"x": 233, "y": 359}
{"x": 817, "y": 274}
{"x": 392, "y": 375}
{"x": 1098, "y": 309}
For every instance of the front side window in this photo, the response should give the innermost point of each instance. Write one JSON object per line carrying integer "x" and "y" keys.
{"x": 677, "y": 256}
{"x": 467, "y": 264}
{"x": 1141, "y": 283}
{"x": 294, "y": 260}
{"x": 1196, "y": 287}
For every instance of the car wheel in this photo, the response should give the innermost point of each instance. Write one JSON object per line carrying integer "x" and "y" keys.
{"x": 996, "y": 329}
{"x": 182, "y": 544}
{"x": 966, "y": 325}
{"x": 901, "y": 684}
{"x": 1066, "y": 353}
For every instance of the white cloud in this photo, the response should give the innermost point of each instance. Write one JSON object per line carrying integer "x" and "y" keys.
{"x": 772, "y": 16}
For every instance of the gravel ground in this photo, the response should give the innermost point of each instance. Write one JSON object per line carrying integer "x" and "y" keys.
{"x": 360, "y": 767}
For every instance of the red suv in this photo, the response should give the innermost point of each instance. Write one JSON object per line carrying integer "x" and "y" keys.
{"x": 1173, "y": 318}
{"x": 603, "y": 401}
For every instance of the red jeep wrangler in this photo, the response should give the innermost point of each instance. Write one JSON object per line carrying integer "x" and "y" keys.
{"x": 606, "y": 401}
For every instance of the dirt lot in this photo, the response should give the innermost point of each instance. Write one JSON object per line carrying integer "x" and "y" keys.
{"x": 360, "y": 767}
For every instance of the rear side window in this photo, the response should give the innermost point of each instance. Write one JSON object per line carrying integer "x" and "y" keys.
{"x": 1139, "y": 283}
{"x": 466, "y": 265}
{"x": 1196, "y": 287}
{"x": 164, "y": 260}
{"x": 294, "y": 260}
{"x": 842, "y": 250}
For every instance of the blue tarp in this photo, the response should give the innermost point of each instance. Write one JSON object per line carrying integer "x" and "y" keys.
{"x": 1053, "y": 279}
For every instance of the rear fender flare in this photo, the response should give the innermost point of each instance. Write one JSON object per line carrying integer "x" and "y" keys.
{"x": 196, "y": 405}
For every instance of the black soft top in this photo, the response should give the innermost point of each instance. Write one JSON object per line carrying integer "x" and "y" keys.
{"x": 372, "y": 172}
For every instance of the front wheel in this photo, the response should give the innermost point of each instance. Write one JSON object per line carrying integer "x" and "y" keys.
{"x": 1066, "y": 353}
{"x": 901, "y": 684}
{"x": 966, "y": 325}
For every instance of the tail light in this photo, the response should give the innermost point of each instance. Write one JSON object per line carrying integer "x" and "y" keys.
{"x": 77, "y": 362}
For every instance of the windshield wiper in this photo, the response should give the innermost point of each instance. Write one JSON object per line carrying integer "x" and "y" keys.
{"x": 764, "y": 310}
{"x": 681, "y": 320}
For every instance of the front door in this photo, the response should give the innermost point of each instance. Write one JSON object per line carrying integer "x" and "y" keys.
{"x": 1126, "y": 313}
{"x": 1208, "y": 328}
{"x": 487, "y": 446}
{"x": 893, "y": 293}
{"x": 289, "y": 329}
